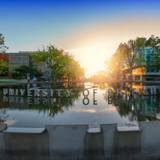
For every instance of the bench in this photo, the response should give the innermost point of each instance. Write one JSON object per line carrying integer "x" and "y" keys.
{"x": 25, "y": 130}
{"x": 94, "y": 128}
{"x": 128, "y": 127}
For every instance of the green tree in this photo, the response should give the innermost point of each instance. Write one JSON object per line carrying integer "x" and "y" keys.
{"x": 126, "y": 56}
{"x": 131, "y": 54}
{"x": 62, "y": 65}
{"x": 152, "y": 41}
{"x": 3, "y": 47}
{"x": 55, "y": 63}
{"x": 22, "y": 71}
{"x": 155, "y": 63}
{"x": 115, "y": 66}
{"x": 140, "y": 42}
{"x": 3, "y": 67}
{"x": 39, "y": 56}
{"x": 3, "y": 63}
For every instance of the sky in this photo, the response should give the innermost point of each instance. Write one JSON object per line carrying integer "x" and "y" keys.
{"x": 90, "y": 30}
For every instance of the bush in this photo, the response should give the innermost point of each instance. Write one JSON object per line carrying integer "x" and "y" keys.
{"x": 22, "y": 71}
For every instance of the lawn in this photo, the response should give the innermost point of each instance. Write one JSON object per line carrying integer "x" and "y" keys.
{"x": 5, "y": 80}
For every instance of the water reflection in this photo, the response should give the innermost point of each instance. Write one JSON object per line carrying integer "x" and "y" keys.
{"x": 51, "y": 106}
{"x": 140, "y": 108}
{"x": 103, "y": 108}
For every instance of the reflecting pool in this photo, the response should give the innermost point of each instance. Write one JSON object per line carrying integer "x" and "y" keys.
{"x": 88, "y": 105}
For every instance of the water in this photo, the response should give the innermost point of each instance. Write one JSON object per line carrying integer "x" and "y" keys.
{"x": 91, "y": 107}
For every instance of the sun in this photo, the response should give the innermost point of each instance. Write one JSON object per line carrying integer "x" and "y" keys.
{"x": 92, "y": 57}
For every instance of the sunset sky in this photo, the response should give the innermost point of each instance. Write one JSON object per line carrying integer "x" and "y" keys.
{"x": 88, "y": 29}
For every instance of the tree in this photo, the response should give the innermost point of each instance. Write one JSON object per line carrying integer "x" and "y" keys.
{"x": 116, "y": 65}
{"x": 152, "y": 41}
{"x": 126, "y": 56}
{"x": 54, "y": 62}
{"x": 4, "y": 64}
{"x": 39, "y": 56}
{"x": 3, "y": 58}
{"x": 131, "y": 54}
{"x": 155, "y": 63}
{"x": 22, "y": 71}
{"x": 140, "y": 42}
{"x": 3, "y": 67}
{"x": 2, "y": 43}
{"x": 62, "y": 65}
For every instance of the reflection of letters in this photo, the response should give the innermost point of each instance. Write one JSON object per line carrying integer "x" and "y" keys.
{"x": 109, "y": 100}
{"x": 94, "y": 102}
{"x": 110, "y": 93}
{"x": 94, "y": 97}
{"x": 85, "y": 100}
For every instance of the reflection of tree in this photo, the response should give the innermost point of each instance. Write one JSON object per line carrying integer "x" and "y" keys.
{"x": 137, "y": 107}
{"x": 51, "y": 106}
{"x": 3, "y": 115}
{"x": 3, "y": 112}
{"x": 64, "y": 103}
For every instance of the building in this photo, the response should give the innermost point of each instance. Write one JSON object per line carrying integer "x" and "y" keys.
{"x": 18, "y": 59}
{"x": 42, "y": 67}
{"x": 147, "y": 53}
{"x": 143, "y": 81}
{"x": 146, "y": 77}
{"x": 24, "y": 58}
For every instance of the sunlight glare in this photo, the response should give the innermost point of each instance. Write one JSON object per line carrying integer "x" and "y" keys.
{"x": 92, "y": 57}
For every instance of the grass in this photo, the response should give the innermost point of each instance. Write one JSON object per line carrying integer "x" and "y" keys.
{"x": 5, "y": 80}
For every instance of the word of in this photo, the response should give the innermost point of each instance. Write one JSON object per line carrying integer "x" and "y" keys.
{"x": 86, "y": 100}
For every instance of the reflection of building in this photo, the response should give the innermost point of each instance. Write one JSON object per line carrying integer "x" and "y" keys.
{"x": 144, "y": 81}
{"x": 139, "y": 108}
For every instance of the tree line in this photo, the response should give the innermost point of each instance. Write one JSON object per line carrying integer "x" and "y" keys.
{"x": 61, "y": 65}
{"x": 3, "y": 58}
{"x": 130, "y": 54}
